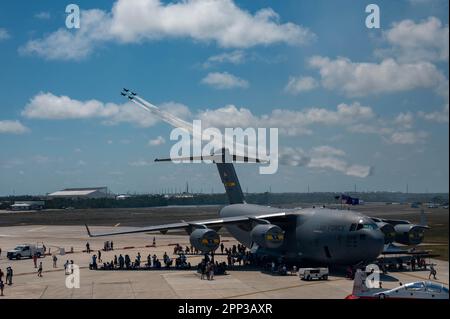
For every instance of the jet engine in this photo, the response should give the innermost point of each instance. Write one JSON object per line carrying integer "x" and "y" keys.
{"x": 267, "y": 235}
{"x": 409, "y": 234}
{"x": 388, "y": 231}
{"x": 205, "y": 239}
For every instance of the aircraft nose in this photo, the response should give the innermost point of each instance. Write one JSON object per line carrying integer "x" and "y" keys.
{"x": 375, "y": 243}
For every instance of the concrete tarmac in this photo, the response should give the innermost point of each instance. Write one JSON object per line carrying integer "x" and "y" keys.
{"x": 158, "y": 284}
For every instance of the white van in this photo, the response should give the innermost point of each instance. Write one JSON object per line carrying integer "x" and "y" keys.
{"x": 313, "y": 273}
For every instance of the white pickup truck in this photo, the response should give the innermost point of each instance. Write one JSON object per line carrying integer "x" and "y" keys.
{"x": 25, "y": 251}
{"x": 313, "y": 273}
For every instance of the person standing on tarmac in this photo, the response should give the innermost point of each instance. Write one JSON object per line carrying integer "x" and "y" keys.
{"x": 9, "y": 275}
{"x": 40, "y": 269}
{"x": 35, "y": 260}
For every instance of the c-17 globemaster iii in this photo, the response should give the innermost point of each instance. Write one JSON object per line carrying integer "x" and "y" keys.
{"x": 306, "y": 236}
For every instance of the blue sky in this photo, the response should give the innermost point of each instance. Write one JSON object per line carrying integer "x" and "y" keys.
{"x": 353, "y": 105}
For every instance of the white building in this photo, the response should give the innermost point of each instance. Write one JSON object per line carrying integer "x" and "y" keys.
{"x": 28, "y": 205}
{"x": 80, "y": 193}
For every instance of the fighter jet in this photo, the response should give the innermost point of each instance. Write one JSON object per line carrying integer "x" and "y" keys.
{"x": 305, "y": 236}
{"x": 413, "y": 290}
{"x": 126, "y": 90}
{"x": 123, "y": 94}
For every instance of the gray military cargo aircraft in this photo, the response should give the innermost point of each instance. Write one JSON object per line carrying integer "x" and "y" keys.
{"x": 307, "y": 236}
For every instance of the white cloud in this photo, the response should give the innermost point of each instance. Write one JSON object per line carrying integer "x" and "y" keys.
{"x": 361, "y": 79}
{"x": 407, "y": 137}
{"x": 11, "y": 163}
{"x": 157, "y": 141}
{"x": 12, "y": 127}
{"x": 405, "y": 120}
{"x": 417, "y": 2}
{"x": 326, "y": 150}
{"x": 4, "y": 34}
{"x": 323, "y": 157}
{"x": 354, "y": 117}
{"x": 427, "y": 40}
{"x": 43, "y": 15}
{"x": 437, "y": 116}
{"x": 209, "y": 20}
{"x": 289, "y": 122}
{"x": 134, "y": 21}
{"x": 41, "y": 159}
{"x": 393, "y": 131}
{"x": 50, "y": 106}
{"x": 54, "y": 107}
{"x": 65, "y": 44}
{"x": 234, "y": 57}
{"x": 291, "y": 156}
{"x": 140, "y": 163}
{"x": 224, "y": 80}
{"x": 298, "y": 85}
{"x": 81, "y": 163}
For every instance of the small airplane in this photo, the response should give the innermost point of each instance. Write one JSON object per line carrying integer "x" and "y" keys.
{"x": 126, "y": 90}
{"x": 133, "y": 93}
{"x": 413, "y": 290}
{"x": 123, "y": 94}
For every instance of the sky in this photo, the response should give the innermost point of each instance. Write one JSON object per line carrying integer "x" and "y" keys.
{"x": 355, "y": 107}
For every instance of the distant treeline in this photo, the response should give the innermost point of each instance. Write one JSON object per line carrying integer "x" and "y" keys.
{"x": 136, "y": 201}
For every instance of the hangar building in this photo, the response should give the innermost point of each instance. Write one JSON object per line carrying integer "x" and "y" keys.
{"x": 81, "y": 193}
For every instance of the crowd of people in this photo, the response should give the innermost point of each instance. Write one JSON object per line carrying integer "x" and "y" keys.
{"x": 152, "y": 262}
{"x": 208, "y": 268}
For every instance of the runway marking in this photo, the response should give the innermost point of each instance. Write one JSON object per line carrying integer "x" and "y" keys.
{"x": 43, "y": 292}
{"x": 281, "y": 288}
{"x": 45, "y": 271}
{"x": 132, "y": 289}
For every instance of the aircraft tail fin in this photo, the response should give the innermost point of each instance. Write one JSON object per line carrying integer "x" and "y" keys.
{"x": 231, "y": 183}
{"x": 224, "y": 162}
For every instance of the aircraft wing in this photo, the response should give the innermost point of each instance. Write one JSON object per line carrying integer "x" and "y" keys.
{"x": 212, "y": 223}
{"x": 393, "y": 222}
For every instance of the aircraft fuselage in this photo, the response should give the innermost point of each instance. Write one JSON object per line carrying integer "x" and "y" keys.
{"x": 315, "y": 235}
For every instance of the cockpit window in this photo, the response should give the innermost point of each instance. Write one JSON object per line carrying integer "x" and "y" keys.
{"x": 415, "y": 286}
{"x": 366, "y": 226}
{"x": 432, "y": 287}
